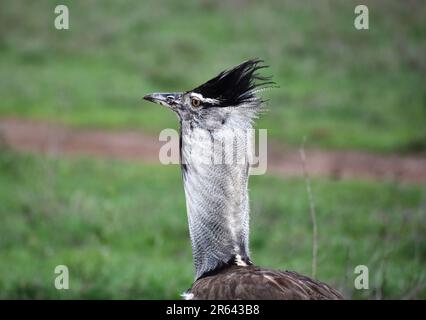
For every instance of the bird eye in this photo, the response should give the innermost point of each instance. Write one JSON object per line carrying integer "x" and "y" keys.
{"x": 195, "y": 102}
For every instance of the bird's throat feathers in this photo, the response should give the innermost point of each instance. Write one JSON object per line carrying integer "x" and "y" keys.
{"x": 215, "y": 175}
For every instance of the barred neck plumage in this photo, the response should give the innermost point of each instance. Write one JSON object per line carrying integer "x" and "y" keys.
{"x": 216, "y": 195}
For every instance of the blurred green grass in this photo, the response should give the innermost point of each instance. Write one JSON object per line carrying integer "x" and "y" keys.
{"x": 340, "y": 87}
{"x": 121, "y": 228}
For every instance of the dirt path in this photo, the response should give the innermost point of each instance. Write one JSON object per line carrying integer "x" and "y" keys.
{"x": 45, "y": 138}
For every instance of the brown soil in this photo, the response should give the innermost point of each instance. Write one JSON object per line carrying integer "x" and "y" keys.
{"x": 47, "y": 138}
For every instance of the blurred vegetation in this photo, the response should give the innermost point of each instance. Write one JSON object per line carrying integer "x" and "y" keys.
{"x": 341, "y": 87}
{"x": 121, "y": 229}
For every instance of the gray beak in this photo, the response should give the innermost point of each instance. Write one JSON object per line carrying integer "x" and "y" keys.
{"x": 165, "y": 99}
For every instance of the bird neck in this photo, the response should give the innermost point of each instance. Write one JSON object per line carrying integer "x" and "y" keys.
{"x": 217, "y": 199}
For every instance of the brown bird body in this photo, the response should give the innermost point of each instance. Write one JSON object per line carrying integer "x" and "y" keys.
{"x": 255, "y": 283}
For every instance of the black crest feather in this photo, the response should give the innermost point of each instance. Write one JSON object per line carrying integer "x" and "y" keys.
{"x": 236, "y": 86}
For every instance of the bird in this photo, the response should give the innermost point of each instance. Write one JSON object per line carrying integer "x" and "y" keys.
{"x": 216, "y": 192}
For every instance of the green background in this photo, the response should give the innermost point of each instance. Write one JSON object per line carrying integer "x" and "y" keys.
{"x": 121, "y": 228}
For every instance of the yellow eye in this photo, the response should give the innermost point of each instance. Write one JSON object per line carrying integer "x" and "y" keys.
{"x": 195, "y": 102}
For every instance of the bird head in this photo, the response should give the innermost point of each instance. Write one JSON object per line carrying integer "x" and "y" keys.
{"x": 227, "y": 99}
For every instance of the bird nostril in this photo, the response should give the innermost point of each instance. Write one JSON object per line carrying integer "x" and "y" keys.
{"x": 170, "y": 100}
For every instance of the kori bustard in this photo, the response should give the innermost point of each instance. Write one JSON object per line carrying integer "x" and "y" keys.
{"x": 216, "y": 189}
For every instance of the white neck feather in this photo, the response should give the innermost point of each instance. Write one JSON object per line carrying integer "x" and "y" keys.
{"x": 216, "y": 197}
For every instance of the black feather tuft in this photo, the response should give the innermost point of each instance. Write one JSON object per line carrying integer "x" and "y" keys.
{"x": 236, "y": 86}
